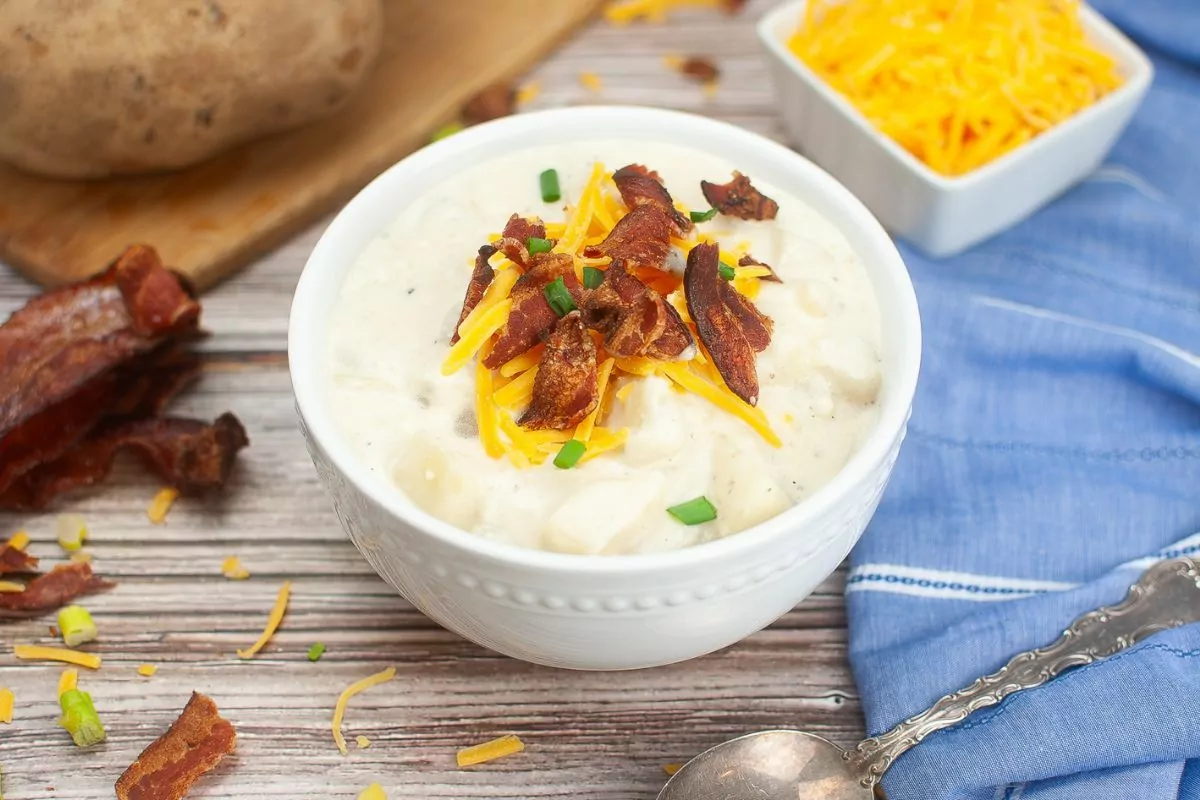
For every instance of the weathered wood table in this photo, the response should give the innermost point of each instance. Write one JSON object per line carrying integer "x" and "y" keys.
{"x": 589, "y": 735}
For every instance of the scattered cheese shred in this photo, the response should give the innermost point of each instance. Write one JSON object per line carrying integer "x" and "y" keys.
{"x": 722, "y": 398}
{"x": 490, "y": 751}
{"x": 276, "y": 617}
{"x": 232, "y": 568}
{"x": 339, "y": 710}
{"x": 11, "y": 587}
{"x": 957, "y": 84}
{"x": 6, "y": 705}
{"x": 519, "y": 391}
{"x": 528, "y": 93}
{"x": 373, "y": 792}
{"x": 161, "y": 505}
{"x": 604, "y": 441}
{"x": 19, "y": 540}
{"x": 67, "y": 681}
{"x": 583, "y": 431}
{"x": 487, "y": 415}
{"x": 362, "y": 742}
{"x": 35, "y": 652}
{"x": 590, "y": 81}
{"x": 472, "y": 337}
{"x": 671, "y": 769}
{"x": 530, "y": 358}
{"x": 147, "y": 670}
{"x": 622, "y": 12}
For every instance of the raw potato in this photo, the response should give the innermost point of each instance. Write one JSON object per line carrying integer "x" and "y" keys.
{"x": 91, "y": 88}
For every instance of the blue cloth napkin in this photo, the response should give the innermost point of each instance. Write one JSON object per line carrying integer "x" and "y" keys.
{"x": 1053, "y": 453}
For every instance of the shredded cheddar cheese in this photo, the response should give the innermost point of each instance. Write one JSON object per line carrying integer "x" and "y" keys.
{"x": 583, "y": 431}
{"x": 517, "y": 392}
{"x": 6, "y": 705}
{"x": 591, "y": 81}
{"x": 526, "y": 360}
{"x": 473, "y": 337}
{"x": 722, "y": 398}
{"x": 38, "y": 653}
{"x": 528, "y": 93}
{"x": 273, "y": 620}
{"x": 957, "y": 84}
{"x": 671, "y": 769}
{"x": 232, "y": 568}
{"x": 373, "y": 792}
{"x": 11, "y": 587}
{"x": 67, "y": 681}
{"x": 623, "y": 12}
{"x": 486, "y": 413}
{"x": 339, "y": 710}
{"x": 490, "y": 751}
{"x": 362, "y": 742}
{"x": 161, "y": 505}
{"x": 19, "y": 540}
{"x": 147, "y": 670}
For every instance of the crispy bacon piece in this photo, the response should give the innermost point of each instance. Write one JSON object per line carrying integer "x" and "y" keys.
{"x": 14, "y": 560}
{"x": 728, "y": 324}
{"x": 481, "y": 279}
{"x": 158, "y": 301}
{"x": 739, "y": 198}
{"x": 566, "y": 388}
{"x": 53, "y": 590}
{"x": 700, "y": 68}
{"x": 634, "y": 319}
{"x": 751, "y": 261}
{"x": 494, "y": 102}
{"x": 188, "y": 454}
{"x": 641, "y": 238}
{"x": 193, "y": 746}
{"x": 531, "y": 316}
{"x": 640, "y": 186}
{"x": 675, "y": 340}
{"x": 148, "y": 387}
{"x": 523, "y": 229}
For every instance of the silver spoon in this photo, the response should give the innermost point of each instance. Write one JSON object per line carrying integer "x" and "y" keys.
{"x": 792, "y": 765}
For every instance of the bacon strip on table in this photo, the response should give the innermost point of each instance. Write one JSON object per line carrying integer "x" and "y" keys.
{"x": 53, "y": 590}
{"x": 193, "y": 746}
{"x": 751, "y": 261}
{"x": 640, "y": 186}
{"x": 730, "y": 327}
{"x": 191, "y": 455}
{"x": 14, "y": 560}
{"x": 566, "y": 388}
{"x": 739, "y": 198}
{"x": 481, "y": 279}
{"x": 640, "y": 239}
{"x": 531, "y": 316}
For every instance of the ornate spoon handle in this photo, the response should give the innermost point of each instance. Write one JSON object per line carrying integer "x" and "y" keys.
{"x": 1166, "y": 596}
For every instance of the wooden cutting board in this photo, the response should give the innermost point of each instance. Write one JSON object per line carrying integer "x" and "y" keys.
{"x": 212, "y": 219}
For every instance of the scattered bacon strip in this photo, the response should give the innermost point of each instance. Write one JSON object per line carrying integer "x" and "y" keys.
{"x": 53, "y": 590}
{"x": 566, "y": 388}
{"x": 150, "y": 384}
{"x": 640, "y": 186}
{"x": 481, "y": 279}
{"x": 191, "y": 455}
{"x": 14, "y": 560}
{"x": 751, "y": 261}
{"x": 531, "y": 316}
{"x": 495, "y": 101}
{"x": 700, "y": 68}
{"x": 721, "y": 327}
{"x": 739, "y": 198}
{"x": 193, "y": 745}
{"x": 641, "y": 238}
{"x": 158, "y": 301}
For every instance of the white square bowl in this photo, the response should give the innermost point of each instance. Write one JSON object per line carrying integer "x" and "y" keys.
{"x": 939, "y": 214}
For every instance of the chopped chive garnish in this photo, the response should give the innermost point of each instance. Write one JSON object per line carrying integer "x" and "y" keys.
{"x": 559, "y": 298}
{"x": 570, "y": 453}
{"x": 316, "y": 651}
{"x": 76, "y": 625}
{"x": 592, "y": 277}
{"x": 702, "y": 216}
{"x": 80, "y": 719}
{"x": 549, "y": 183}
{"x": 727, "y": 272}
{"x": 445, "y": 131}
{"x": 694, "y": 512}
{"x": 536, "y": 245}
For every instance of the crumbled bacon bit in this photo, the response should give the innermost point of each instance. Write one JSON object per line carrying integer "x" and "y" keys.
{"x": 14, "y": 560}
{"x": 523, "y": 229}
{"x": 640, "y": 186}
{"x": 725, "y": 321}
{"x": 495, "y": 101}
{"x": 193, "y": 745}
{"x": 700, "y": 68}
{"x": 641, "y": 238}
{"x": 53, "y": 589}
{"x": 739, "y": 198}
{"x": 675, "y": 341}
{"x": 751, "y": 261}
{"x": 531, "y": 316}
{"x": 158, "y": 301}
{"x": 566, "y": 388}
{"x": 481, "y": 279}
{"x": 634, "y": 319}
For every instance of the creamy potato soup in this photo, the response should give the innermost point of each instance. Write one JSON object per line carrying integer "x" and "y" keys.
{"x": 650, "y": 386}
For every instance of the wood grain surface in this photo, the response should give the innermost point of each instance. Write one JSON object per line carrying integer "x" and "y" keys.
{"x": 215, "y": 217}
{"x": 590, "y": 736}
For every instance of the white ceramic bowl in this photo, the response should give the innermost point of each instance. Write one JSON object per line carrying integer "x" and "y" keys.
{"x": 600, "y": 612}
{"x": 943, "y": 215}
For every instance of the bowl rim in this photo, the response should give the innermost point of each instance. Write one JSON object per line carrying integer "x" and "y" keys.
{"x": 1127, "y": 54}
{"x": 306, "y": 357}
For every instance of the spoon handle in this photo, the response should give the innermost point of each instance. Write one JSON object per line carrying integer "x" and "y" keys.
{"x": 1166, "y": 596}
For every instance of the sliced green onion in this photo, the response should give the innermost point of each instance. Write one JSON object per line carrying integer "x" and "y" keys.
{"x": 559, "y": 298}
{"x": 80, "y": 719}
{"x": 694, "y": 512}
{"x": 76, "y": 625}
{"x": 536, "y": 245}
{"x": 548, "y": 180}
{"x": 727, "y": 272}
{"x": 702, "y": 216}
{"x": 570, "y": 454}
{"x": 447, "y": 130}
{"x": 71, "y": 530}
{"x": 592, "y": 277}
{"x": 316, "y": 651}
